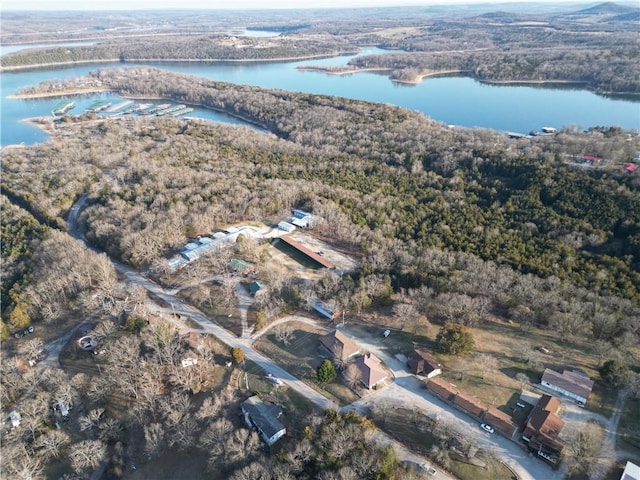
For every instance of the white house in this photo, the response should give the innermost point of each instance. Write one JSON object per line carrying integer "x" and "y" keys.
{"x": 631, "y": 472}
{"x": 264, "y": 418}
{"x": 571, "y": 384}
{"x": 286, "y": 226}
{"x": 15, "y": 418}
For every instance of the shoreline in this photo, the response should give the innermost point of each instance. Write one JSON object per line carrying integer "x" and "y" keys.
{"x": 534, "y": 82}
{"x": 349, "y": 71}
{"x": 419, "y": 78}
{"x": 15, "y": 68}
{"x": 71, "y": 91}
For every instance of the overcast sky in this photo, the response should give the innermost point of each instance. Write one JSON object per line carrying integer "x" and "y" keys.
{"x": 226, "y": 4}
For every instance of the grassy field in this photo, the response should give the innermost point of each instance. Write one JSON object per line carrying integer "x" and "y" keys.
{"x": 302, "y": 356}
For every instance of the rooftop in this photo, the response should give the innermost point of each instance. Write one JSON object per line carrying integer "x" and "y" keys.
{"x": 309, "y": 253}
{"x": 339, "y": 344}
{"x": 264, "y": 417}
{"x": 573, "y": 382}
{"x": 371, "y": 371}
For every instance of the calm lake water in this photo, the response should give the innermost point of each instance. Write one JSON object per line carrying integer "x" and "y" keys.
{"x": 452, "y": 100}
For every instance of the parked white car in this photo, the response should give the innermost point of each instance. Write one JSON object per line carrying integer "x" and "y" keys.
{"x": 487, "y": 428}
{"x": 428, "y": 469}
{"x": 275, "y": 380}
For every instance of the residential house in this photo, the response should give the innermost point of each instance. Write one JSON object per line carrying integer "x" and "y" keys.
{"x": 541, "y": 432}
{"x": 370, "y": 369}
{"x": 572, "y": 384}
{"x": 500, "y": 421}
{"x": 264, "y": 418}
{"x": 421, "y": 362}
{"x": 240, "y": 266}
{"x": 470, "y": 404}
{"x": 631, "y": 472}
{"x": 303, "y": 222}
{"x": 442, "y": 388}
{"x": 339, "y": 345}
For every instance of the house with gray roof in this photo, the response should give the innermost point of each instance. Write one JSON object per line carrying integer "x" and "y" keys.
{"x": 572, "y": 384}
{"x": 264, "y": 418}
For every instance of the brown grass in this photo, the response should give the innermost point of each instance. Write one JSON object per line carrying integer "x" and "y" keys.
{"x": 413, "y": 429}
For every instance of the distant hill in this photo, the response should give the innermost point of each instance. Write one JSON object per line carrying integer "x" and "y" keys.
{"x": 506, "y": 17}
{"x": 607, "y": 8}
{"x": 626, "y": 17}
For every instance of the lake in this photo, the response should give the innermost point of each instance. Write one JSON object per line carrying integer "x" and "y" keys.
{"x": 457, "y": 101}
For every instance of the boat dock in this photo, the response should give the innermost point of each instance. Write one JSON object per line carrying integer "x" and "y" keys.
{"x": 62, "y": 107}
{"x": 119, "y": 106}
{"x": 99, "y": 106}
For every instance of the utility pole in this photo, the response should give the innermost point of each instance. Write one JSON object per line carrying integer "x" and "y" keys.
{"x": 246, "y": 380}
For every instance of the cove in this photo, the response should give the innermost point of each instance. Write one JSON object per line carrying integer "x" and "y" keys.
{"x": 460, "y": 101}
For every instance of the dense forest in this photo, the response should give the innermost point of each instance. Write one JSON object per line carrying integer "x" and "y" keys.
{"x": 188, "y": 48}
{"x": 419, "y": 199}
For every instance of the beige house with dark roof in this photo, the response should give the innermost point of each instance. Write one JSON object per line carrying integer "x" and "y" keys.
{"x": 371, "y": 370}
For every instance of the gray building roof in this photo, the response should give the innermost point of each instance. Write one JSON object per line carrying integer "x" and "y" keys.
{"x": 264, "y": 417}
{"x": 575, "y": 383}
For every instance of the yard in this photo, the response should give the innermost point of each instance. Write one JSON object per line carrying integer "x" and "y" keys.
{"x": 413, "y": 429}
{"x": 208, "y": 298}
{"x": 301, "y": 357}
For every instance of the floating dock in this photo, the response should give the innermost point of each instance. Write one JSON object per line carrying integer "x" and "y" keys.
{"x": 119, "y": 106}
{"x": 62, "y": 107}
{"x": 170, "y": 110}
{"x": 99, "y": 106}
{"x": 182, "y": 111}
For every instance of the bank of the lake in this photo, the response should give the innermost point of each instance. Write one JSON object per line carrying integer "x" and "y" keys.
{"x": 456, "y": 100}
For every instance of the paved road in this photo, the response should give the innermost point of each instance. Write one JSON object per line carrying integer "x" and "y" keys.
{"x": 207, "y": 326}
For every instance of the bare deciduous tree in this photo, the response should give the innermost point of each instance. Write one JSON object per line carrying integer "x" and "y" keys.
{"x": 51, "y": 444}
{"x": 154, "y": 436}
{"x": 284, "y": 333}
{"x": 87, "y": 455}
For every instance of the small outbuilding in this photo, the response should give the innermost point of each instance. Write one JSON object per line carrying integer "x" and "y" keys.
{"x": 255, "y": 287}
{"x": 286, "y": 226}
{"x": 421, "y": 362}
